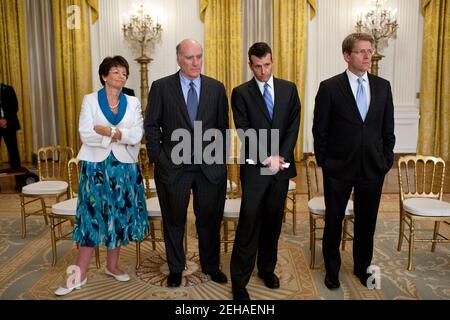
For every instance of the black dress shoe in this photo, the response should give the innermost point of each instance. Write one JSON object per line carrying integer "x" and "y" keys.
{"x": 174, "y": 279}
{"x": 217, "y": 276}
{"x": 332, "y": 283}
{"x": 270, "y": 280}
{"x": 240, "y": 294}
{"x": 363, "y": 277}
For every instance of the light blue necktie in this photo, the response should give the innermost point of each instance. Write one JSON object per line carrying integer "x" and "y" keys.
{"x": 192, "y": 102}
{"x": 361, "y": 98}
{"x": 268, "y": 99}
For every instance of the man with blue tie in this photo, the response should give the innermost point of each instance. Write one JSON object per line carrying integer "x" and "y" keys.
{"x": 174, "y": 103}
{"x": 353, "y": 131}
{"x": 264, "y": 104}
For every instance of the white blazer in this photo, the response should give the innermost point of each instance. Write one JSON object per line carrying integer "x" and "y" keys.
{"x": 96, "y": 147}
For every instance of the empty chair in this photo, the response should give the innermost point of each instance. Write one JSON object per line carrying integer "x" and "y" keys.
{"x": 291, "y": 204}
{"x": 232, "y": 205}
{"x": 65, "y": 211}
{"x": 421, "y": 182}
{"x": 52, "y": 169}
{"x": 316, "y": 206}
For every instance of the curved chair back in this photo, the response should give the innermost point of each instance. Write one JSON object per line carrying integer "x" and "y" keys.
{"x": 52, "y": 162}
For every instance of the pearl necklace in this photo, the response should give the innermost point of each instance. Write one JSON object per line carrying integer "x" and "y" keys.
{"x": 114, "y": 107}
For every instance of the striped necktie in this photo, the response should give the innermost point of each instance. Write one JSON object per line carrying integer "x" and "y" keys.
{"x": 268, "y": 99}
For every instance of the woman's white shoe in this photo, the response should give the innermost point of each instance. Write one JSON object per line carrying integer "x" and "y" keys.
{"x": 63, "y": 291}
{"x": 121, "y": 277}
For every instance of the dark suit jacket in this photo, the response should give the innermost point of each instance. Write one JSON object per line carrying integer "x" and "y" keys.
{"x": 9, "y": 104}
{"x": 167, "y": 111}
{"x": 250, "y": 112}
{"x": 342, "y": 141}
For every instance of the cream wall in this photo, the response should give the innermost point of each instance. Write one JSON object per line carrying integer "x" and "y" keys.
{"x": 334, "y": 20}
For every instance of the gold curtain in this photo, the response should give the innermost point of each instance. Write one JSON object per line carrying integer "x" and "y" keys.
{"x": 13, "y": 63}
{"x": 73, "y": 65}
{"x": 223, "y": 42}
{"x": 434, "y": 125}
{"x": 290, "y": 39}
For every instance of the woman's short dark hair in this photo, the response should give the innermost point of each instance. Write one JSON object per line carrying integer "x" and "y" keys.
{"x": 110, "y": 62}
{"x": 259, "y": 49}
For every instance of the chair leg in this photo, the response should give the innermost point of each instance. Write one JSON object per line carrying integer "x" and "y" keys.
{"x": 152, "y": 235}
{"x": 97, "y": 258}
{"x": 411, "y": 244}
{"x": 225, "y": 235}
{"x": 435, "y": 233}
{"x": 344, "y": 234}
{"x": 44, "y": 211}
{"x": 401, "y": 230}
{"x": 138, "y": 254}
{"x": 24, "y": 223}
{"x": 313, "y": 242}
{"x": 53, "y": 240}
{"x": 294, "y": 215}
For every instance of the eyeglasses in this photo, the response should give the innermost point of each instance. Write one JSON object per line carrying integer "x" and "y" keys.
{"x": 363, "y": 51}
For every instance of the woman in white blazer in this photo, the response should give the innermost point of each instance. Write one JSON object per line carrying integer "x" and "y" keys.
{"x": 111, "y": 208}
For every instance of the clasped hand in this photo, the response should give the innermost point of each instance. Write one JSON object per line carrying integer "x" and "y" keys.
{"x": 3, "y": 123}
{"x": 275, "y": 163}
{"x": 106, "y": 131}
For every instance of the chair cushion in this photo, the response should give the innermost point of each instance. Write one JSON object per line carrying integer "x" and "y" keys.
{"x": 152, "y": 184}
{"x": 66, "y": 207}
{"x": 292, "y": 185}
{"x": 232, "y": 208}
{"x": 231, "y": 185}
{"x": 45, "y": 187}
{"x": 153, "y": 208}
{"x": 427, "y": 207}
{"x": 317, "y": 206}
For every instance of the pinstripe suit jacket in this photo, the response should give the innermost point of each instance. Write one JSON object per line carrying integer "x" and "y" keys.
{"x": 167, "y": 111}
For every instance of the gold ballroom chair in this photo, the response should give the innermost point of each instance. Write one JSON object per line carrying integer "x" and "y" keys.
{"x": 65, "y": 211}
{"x": 52, "y": 169}
{"x": 316, "y": 206}
{"x": 153, "y": 208}
{"x": 421, "y": 181}
{"x": 291, "y": 205}
{"x": 232, "y": 204}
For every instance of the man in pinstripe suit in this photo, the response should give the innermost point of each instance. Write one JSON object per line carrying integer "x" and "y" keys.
{"x": 175, "y": 102}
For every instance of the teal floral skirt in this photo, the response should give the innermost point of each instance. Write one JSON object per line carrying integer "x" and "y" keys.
{"x": 111, "y": 207}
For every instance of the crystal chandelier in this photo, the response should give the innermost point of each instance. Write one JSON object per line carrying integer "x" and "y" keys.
{"x": 382, "y": 25}
{"x": 141, "y": 32}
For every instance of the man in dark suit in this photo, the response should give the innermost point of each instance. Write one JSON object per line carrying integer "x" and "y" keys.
{"x": 265, "y": 104}
{"x": 9, "y": 123}
{"x": 174, "y": 103}
{"x": 354, "y": 139}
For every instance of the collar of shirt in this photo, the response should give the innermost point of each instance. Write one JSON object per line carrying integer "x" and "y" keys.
{"x": 185, "y": 85}
{"x": 353, "y": 79}
{"x": 270, "y": 83}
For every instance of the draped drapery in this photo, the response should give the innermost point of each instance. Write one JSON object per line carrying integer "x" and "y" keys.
{"x": 223, "y": 42}
{"x": 257, "y": 27}
{"x": 290, "y": 40}
{"x": 13, "y": 63}
{"x": 42, "y": 73}
{"x": 434, "y": 123}
{"x": 73, "y": 65}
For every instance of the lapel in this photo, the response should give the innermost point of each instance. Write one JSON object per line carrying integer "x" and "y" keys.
{"x": 202, "y": 105}
{"x": 373, "y": 89}
{"x": 178, "y": 94}
{"x": 344, "y": 85}
{"x": 256, "y": 93}
{"x": 277, "y": 108}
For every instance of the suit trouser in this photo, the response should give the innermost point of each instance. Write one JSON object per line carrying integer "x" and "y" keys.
{"x": 209, "y": 202}
{"x": 259, "y": 228}
{"x": 366, "y": 200}
{"x": 10, "y": 138}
